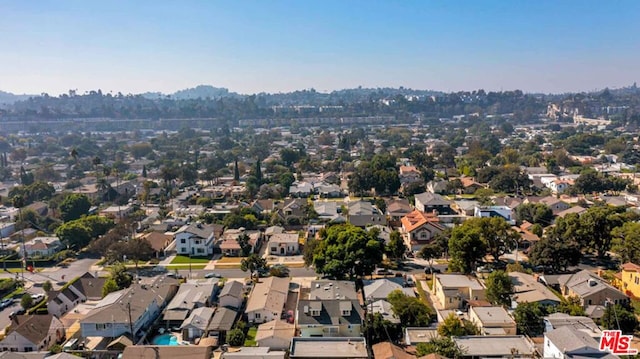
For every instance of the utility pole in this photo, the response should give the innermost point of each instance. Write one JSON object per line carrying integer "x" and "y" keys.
{"x": 133, "y": 337}
{"x": 4, "y": 262}
{"x": 18, "y": 202}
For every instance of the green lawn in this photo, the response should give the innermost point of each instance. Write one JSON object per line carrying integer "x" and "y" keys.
{"x": 15, "y": 294}
{"x": 186, "y": 259}
{"x": 185, "y": 266}
{"x": 250, "y": 340}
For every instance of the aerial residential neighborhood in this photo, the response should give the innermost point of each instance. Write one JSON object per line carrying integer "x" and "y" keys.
{"x": 464, "y": 237}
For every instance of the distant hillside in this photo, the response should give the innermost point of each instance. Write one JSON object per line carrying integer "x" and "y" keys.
{"x": 198, "y": 92}
{"x": 9, "y": 98}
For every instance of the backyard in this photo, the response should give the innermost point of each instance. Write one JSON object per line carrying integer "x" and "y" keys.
{"x": 250, "y": 340}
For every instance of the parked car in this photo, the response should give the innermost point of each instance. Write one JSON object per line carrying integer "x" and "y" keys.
{"x": 430, "y": 270}
{"x": 6, "y": 303}
{"x": 381, "y": 271}
{"x": 213, "y": 275}
{"x": 37, "y": 297}
{"x": 409, "y": 282}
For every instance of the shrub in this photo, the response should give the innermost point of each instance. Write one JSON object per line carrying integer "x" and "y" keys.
{"x": 235, "y": 337}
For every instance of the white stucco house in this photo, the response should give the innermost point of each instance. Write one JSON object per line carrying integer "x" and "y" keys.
{"x": 195, "y": 239}
{"x": 284, "y": 244}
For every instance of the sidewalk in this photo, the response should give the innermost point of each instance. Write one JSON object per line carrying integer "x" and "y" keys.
{"x": 167, "y": 261}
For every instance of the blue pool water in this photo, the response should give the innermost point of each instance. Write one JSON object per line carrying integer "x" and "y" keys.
{"x": 165, "y": 339}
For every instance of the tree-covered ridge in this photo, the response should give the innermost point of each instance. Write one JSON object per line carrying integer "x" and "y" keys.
{"x": 218, "y": 103}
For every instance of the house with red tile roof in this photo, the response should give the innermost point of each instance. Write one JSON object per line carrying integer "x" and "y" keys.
{"x": 419, "y": 228}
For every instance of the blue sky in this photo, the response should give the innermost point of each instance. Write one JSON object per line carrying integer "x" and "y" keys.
{"x": 275, "y": 46}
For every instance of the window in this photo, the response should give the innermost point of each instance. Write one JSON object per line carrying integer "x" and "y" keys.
{"x": 346, "y": 313}
{"x": 183, "y": 250}
{"x": 257, "y": 315}
{"x": 200, "y": 250}
{"x": 103, "y": 326}
{"x": 183, "y": 241}
{"x": 197, "y": 241}
{"x": 315, "y": 313}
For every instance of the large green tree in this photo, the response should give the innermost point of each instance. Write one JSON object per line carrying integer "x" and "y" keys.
{"x": 618, "y": 317}
{"x": 410, "y": 310}
{"x": 346, "y": 251}
{"x": 571, "y": 305}
{"x": 444, "y": 346}
{"x": 496, "y": 233}
{"x": 119, "y": 273}
{"x": 499, "y": 288}
{"x": 78, "y": 233}
{"x": 396, "y": 248}
{"x": 555, "y": 253}
{"x": 253, "y": 263}
{"x": 453, "y": 326}
{"x": 529, "y": 319}
{"x": 431, "y": 251}
{"x": 466, "y": 248}
{"x": 536, "y": 213}
{"x": 595, "y": 227}
{"x": 74, "y": 206}
{"x": 380, "y": 329}
{"x": 626, "y": 242}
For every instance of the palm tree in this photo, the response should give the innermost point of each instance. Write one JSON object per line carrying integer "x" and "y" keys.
{"x": 96, "y": 162}
{"x": 74, "y": 154}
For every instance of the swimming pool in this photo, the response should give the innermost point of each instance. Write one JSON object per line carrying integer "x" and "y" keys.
{"x": 165, "y": 339}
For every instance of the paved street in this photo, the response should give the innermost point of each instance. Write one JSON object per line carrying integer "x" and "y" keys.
{"x": 237, "y": 273}
{"x": 57, "y": 275}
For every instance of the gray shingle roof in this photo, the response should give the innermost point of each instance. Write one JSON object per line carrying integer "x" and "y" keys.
{"x": 432, "y": 199}
{"x": 330, "y": 312}
{"x": 222, "y": 320}
{"x": 232, "y": 288}
{"x": 569, "y": 339}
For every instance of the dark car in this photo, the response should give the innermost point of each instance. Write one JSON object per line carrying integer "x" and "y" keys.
{"x": 430, "y": 270}
{"x": 6, "y": 303}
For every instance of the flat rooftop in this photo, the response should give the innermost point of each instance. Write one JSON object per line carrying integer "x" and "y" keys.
{"x": 458, "y": 281}
{"x": 328, "y": 348}
{"x": 415, "y": 335}
{"x": 493, "y": 316}
{"x": 492, "y": 346}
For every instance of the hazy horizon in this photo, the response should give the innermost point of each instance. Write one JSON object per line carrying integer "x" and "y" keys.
{"x": 281, "y": 46}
